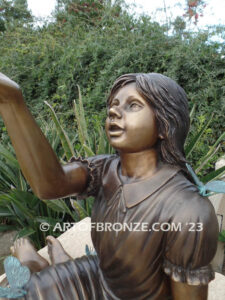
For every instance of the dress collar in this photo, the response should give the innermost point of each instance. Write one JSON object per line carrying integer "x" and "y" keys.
{"x": 137, "y": 191}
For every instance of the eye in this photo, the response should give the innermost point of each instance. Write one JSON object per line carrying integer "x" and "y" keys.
{"x": 134, "y": 106}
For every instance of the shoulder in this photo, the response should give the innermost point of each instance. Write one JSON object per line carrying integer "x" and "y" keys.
{"x": 95, "y": 166}
{"x": 94, "y": 161}
{"x": 101, "y": 159}
{"x": 184, "y": 196}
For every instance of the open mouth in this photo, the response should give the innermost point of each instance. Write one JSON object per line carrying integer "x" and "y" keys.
{"x": 114, "y": 127}
{"x": 115, "y": 130}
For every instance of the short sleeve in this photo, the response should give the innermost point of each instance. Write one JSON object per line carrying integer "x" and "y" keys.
{"x": 191, "y": 247}
{"x": 95, "y": 166}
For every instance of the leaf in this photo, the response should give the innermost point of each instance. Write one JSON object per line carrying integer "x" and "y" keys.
{"x": 101, "y": 142}
{"x": 214, "y": 175}
{"x": 192, "y": 112}
{"x": 222, "y": 236}
{"x": 7, "y": 228}
{"x": 79, "y": 125}
{"x": 22, "y": 210}
{"x": 29, "y": 198}
{"x": 206, "y": 158}
{"x": 58, "y": 205}
{"x": 88, "y": 151}
{"x": 210, "y": 153}
{"x": 50, "y": 221}
{"x": 11, "y": 160}
{"x": 89, "y": 205}
{"x": 83, "y": 122}
{"x": 27, "y": 231}
{"x": 68, "y": 148}
{"x": 8, "y": 176}
{"x": 190, "y": 147}
{"x": 81, "y": 211}
{"x": 5, "y": 212}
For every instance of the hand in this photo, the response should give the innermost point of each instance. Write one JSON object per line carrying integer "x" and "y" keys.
{"x": 9, "y": 90}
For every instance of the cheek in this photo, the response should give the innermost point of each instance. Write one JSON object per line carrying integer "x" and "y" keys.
{"x": 143, "y": 131}
{"x": 142, "y": 123}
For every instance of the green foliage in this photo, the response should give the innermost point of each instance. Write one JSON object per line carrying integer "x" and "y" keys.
{"x": 69, "y": 152}
{"x": 90, "y": 44}
{"x": 23, "y": 211}
{"x": 222, "y": 236}
{"x": 13, "y": 13}
{"x": 50, "y": 61}
{"x": 19, "y": 208}
{"x": 200, "y": 152}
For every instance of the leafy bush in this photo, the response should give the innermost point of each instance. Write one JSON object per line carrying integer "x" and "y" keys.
{"x": 23, "y": 211}
{"x": 91, "y": 43}
{"x": 20, "y": 209}
{"x": 78, "y": 48}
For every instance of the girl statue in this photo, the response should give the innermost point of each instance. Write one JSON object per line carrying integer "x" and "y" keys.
{"x": 147, "y": 182}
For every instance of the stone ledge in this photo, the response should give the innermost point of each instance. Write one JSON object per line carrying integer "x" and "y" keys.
{"x": 74, "y": 241}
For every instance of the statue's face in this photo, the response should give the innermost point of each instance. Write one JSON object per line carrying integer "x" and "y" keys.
{"x": 130, "y": 124}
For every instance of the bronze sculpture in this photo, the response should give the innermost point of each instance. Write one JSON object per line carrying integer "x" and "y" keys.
{"x": 146, "y": 183}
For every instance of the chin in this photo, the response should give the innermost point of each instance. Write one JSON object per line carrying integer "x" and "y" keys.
{"x": 124, "y": 147}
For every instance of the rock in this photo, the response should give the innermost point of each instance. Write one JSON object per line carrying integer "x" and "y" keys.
{"x": 76, "y": 238}
{"x": 217, "y": 288}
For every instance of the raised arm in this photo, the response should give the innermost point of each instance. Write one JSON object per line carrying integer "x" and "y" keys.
{"x": 39, "y": 164}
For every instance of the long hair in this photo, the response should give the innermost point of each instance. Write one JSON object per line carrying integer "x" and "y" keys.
{"x": 170, "y": 105}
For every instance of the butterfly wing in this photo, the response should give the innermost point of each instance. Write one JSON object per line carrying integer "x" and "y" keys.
{"x": 17, "y": 274}
{"x": 216, "y": 186}
{"x": 194, "y": 176}
{"x": 89, "y": 251}
{"x": 3, "y": 292}
{"x": 11, "y": 293}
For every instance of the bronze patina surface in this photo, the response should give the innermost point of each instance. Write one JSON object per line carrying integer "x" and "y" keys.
{"x": 146, "y": 183}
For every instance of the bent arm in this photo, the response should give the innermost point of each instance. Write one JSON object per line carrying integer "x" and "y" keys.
{"x": 39, "y": 164}
{"x": 188, "y": 292}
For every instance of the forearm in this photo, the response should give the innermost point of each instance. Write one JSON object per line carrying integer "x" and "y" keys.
{"x": 188, "y": 292}
{"x": 37, "y": 160}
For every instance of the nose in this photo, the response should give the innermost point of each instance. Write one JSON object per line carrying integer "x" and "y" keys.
{"x": 114, "y": 112}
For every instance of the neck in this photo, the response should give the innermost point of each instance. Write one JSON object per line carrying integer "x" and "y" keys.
{"x": 138, "y": 165}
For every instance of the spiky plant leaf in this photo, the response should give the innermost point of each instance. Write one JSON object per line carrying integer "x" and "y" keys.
{"x": 68, "y": 148}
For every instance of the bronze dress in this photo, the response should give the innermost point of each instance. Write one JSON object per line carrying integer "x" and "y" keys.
{"x": 137, "y": 264}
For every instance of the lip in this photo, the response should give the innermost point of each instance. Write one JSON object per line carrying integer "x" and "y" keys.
{"x": 115, "y": 130}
